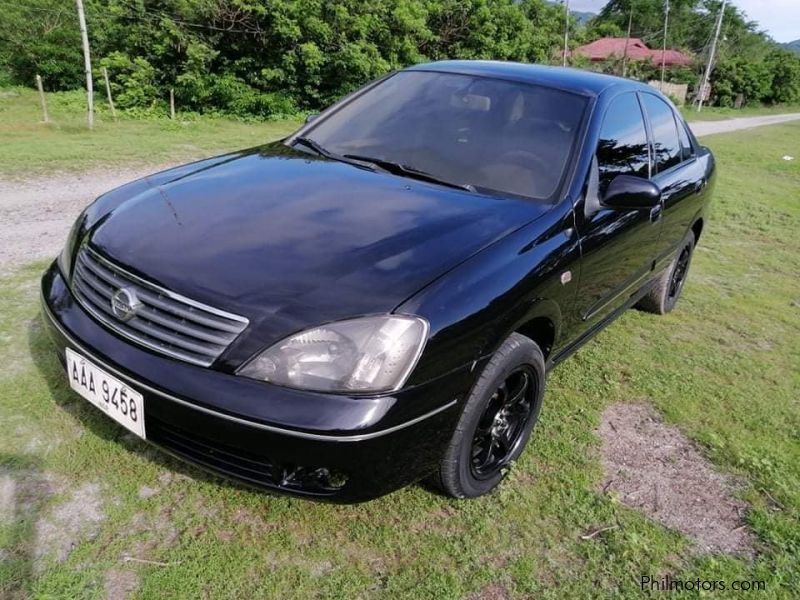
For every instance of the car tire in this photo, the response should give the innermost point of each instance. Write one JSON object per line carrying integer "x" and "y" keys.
{"x": 662, "y": 298}
{"x": 461, "y": 474}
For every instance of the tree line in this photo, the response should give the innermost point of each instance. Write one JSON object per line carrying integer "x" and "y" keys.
{"x": 270, "y": 58}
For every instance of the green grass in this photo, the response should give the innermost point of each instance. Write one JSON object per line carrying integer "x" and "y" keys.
{"x": 31, "y": 147}
{"x": 723, "y": 367}
{"x": 717, "y": 113}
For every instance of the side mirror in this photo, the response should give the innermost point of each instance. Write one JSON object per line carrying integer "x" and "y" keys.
{"x": 311, "y": 117}
{"x": 626, "y": 192}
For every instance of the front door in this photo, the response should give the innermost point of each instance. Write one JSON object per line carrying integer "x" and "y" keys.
{"x": 617, "y": 246}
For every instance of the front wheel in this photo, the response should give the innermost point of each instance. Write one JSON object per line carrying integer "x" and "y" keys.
{"x": 497, "y": 421}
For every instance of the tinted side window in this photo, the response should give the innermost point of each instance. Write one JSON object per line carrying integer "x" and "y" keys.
{"x": 687, "y": 150}
{"x": 665, "y": 134}
{"x": 622, "y": 149}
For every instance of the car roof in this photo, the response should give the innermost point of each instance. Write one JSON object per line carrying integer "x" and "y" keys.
{"x": 565, "y": 78}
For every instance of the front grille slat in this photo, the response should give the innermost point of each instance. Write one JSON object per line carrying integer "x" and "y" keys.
{"x": 192, "y": 315}
{"x": 160, "y": 333}
{"x": 98, "y": 285}
{"x": 164, "y": 321}
{"x": 98, "y": 269}
{"x": 201, "y": 333}
{"x": 102, "y": 304}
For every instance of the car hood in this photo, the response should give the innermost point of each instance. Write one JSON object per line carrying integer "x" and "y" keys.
{"x": 289, "y": 240}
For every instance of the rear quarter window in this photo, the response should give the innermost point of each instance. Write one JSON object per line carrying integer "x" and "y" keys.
{"x": 687, "y": 149}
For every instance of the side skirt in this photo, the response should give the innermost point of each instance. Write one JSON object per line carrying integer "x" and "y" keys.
{"x": 588, "y": 335}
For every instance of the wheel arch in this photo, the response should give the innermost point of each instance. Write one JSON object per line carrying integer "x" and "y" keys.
{"x": 539, "y": 322}
{"x": 541, "y": 330}
{"x": 697, "y": 228}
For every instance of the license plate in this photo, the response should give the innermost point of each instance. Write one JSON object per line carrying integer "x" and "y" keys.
{"x": 108, "y": 393}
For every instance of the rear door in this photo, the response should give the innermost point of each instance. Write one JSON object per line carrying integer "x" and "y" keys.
{"x": 676, "y": 170}
{"x": 617, "y": 247}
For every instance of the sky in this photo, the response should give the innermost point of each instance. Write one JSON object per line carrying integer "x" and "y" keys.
{"x": 779, "y": 18}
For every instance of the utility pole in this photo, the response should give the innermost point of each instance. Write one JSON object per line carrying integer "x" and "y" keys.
{"x": 707, "y": 73}
{"x": 87, "y": 64}
{"x": 664, "y": 49}
{"x": 566, "y": 31}
{"x": 627, "y": 41}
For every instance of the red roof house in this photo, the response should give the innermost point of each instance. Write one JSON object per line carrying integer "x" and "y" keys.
{"x": 606, "y": 48}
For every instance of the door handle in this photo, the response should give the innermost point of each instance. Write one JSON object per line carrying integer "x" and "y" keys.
{"x": 698, "y": 187}
{"x": 655, "y": 213}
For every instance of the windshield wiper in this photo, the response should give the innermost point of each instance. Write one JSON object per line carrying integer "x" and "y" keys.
{"x": 316, "y": 147}
{"x": 313, "y": 144}
{"x": 409, "y": 171}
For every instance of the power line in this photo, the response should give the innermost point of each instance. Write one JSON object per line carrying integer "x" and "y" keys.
{"x": 153, "y": 15}
{"x": 664, "y": 49}
{"x": 711, "y": 57}
{"x": 148, "y": 15}
{"x": 566, "y": 31}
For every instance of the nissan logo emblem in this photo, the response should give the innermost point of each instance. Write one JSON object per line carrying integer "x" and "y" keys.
{"x": 125, "y": 304}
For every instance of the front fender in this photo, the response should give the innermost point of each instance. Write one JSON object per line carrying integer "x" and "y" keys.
{"x": 474, "y": 307}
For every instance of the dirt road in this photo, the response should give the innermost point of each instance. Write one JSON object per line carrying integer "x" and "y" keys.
{"x": 35, "y": 215}
{"x": 701, "y": 128}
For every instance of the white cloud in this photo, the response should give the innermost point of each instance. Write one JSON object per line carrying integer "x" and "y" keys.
{"x": 780, "y": 18}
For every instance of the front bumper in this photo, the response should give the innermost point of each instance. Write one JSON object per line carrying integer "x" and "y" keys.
{"x": 324, "y": 446}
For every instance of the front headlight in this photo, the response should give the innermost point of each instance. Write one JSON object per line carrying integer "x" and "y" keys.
{"x": 369, "y": 354}
{"x": 65, "y": 258}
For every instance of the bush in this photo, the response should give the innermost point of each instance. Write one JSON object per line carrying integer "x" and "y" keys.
{"x": 735, "y": 76}
{"x": 133, "y": 81}
{"x": 785, "y": 69}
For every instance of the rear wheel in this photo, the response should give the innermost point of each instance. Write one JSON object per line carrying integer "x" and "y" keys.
{"x": 497, "y": 421}
{"x": 669, "y": 285}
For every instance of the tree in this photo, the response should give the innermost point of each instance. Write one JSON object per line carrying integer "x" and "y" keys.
{"x": 41, "y": 37}
{"x": 266, "y": 58}
{"x": 785, "y": 68}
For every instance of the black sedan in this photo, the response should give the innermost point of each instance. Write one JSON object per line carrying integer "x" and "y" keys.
{"x": 379, "y": 297}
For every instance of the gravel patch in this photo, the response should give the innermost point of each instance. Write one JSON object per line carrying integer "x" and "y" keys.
{"x": 69, "y": 523}
{"x": 491, "y": 591}
{"x": 8, "y": 489}
{"x": 36, "y": 214}
{"x": 654, "y": 468}
{"x": 120, "y": 584}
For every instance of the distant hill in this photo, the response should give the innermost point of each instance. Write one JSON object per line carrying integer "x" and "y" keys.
{"x": 794, "y": 46}
{"x": 582, "y": 16}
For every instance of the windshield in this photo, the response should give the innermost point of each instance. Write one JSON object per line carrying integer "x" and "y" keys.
{"x": 491, "y": 135}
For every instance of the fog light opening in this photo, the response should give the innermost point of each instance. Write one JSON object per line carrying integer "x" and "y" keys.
{"x": 319, "y": 479}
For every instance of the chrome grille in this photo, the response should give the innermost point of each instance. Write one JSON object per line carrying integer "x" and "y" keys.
{"x": 163, "y": 321}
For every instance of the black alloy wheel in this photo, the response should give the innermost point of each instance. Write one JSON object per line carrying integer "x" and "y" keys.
{"x": 668, "y": 285}
{"x": 502, "y": 424}
{"x": 679, "y": 273}
{"x": 496, "y": 421}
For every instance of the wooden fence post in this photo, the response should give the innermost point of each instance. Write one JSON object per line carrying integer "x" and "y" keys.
{"x": 172, "y": 104}
{"x": 41, "y": 96}
{"x": 108, "y": 92}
